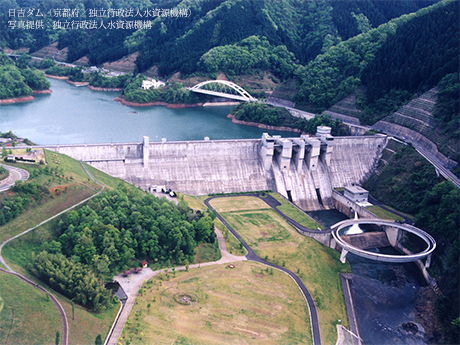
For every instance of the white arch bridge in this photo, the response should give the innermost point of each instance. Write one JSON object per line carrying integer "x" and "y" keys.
{"x": 223, "y": 88}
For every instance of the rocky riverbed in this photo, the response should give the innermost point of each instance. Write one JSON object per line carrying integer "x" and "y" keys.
{"x": 393, "y": 303}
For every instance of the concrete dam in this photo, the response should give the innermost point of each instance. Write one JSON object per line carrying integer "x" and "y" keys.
{"x": 304, "y": 169}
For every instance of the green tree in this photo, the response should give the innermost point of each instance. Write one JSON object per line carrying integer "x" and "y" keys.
{"x": 98, "y": 340}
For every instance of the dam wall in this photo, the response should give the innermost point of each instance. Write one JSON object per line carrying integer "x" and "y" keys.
{"x": 355, "y": 158}
{"x": 192, "y": 167}
{"x": 304, "y": 170}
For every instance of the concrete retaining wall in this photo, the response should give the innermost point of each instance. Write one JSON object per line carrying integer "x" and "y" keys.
{"x": 346, "y": 206}
{"x": 413, "y": 136}
{"x": 94, "y": 152}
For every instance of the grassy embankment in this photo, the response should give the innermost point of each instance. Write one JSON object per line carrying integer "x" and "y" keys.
{"x": 84, "y": 326}
{"x": 275, "y": 240}
{"x": 295, "y": 214}
{"x": 27, "y": 315}
{"x": 248, "y": 304}
{"x": 384, "y": 214}
{"x": 3, "y": 173}
{"x": 71, "y": 175}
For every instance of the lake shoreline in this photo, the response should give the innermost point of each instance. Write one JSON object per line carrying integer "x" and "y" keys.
{"x": 164, "y": 104}
{"x": 25, "y": 98}
{"x": 17, "y": 100}
{"x": 261, "y": 125}
{"x": 42, "y": 92}
{"x": 85, "y": 83}
{"x": 104, "y": 89}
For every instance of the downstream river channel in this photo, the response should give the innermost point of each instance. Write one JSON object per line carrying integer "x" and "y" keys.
{"x": 78, "y": 115}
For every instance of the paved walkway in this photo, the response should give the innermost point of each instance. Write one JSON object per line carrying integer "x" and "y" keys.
{"x": 352, "y": 318}
{"x": 15, "y": 174}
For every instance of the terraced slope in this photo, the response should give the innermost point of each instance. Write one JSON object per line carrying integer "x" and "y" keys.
{"x": 415, "y": 122}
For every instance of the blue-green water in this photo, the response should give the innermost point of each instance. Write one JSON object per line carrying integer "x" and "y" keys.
{"x": 78, "y": 115}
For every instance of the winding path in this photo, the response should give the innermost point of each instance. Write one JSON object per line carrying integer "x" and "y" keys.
{"x": 10, "y": 271}
{"x": 272, "y": 202}
{"x": 15, "y": 174}
{"x": 132, "y": 285}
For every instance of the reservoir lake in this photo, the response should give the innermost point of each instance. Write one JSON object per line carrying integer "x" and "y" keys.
{"x": 78, "y": 115}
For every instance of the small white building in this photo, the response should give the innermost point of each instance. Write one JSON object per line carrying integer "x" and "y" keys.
{"x": 147, "y": 84}
{"x": 356, "y": 194}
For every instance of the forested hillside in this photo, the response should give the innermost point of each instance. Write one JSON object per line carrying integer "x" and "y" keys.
{"x": 415, "y": 59}
{"x": 331, "y": 47}
{"x": 305, "y": 27}
{"x": 391, "y": 70}
{"x": 112, "y": 233}
{"x": 408, "y": 182}
{"x": 19, "y": 80}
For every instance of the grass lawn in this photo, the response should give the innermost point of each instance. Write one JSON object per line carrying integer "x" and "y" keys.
{"x": 384, "y": 214}
{"x": 85, "y": 326}
{"x": 71, "y": 168}
{"x": 238, "y": 203}
{"x": 294, "y": 213}
{"x": 27, "y": 316}
{"x": 192, "y": 201}
{"x": 318, "y": 266}
{"x": 207, "y": 252}
{"x": 70, "y": 185}
{"x": 232, "y": 244}
{"x": 249, "y": 304}
{"x": 43, "y": 211}
{"x": 107, "y": 180}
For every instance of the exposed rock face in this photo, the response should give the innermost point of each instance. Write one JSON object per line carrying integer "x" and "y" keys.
{"x": 127, "y": 64}
{"x": 51, "y": 51}
{"x": 425, "y": 314}
{"x": 16, "y": 100}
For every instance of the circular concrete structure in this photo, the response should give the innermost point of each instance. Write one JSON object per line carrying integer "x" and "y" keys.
{"x": 429, "y": 240}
